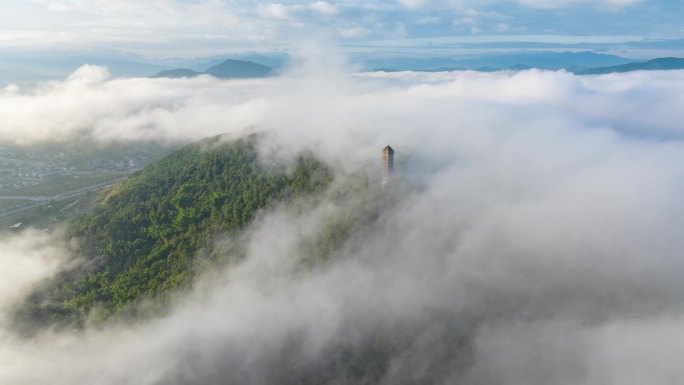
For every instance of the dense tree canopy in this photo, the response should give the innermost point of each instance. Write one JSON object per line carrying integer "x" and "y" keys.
{"x": 144, "y": 235}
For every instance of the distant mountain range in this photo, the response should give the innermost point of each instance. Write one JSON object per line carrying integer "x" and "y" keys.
{"x": 581, "y": 63}
{"x": 571, "y": 61}
{"x": 229, "y": 69}
{"x": 665, "y": 63}
{"x": 176, "y": 73}
{"x": 29, "y": 67}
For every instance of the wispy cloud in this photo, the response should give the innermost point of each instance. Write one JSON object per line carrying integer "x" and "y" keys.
{"x": 168, "y": 28}
{"x": 274, "y": 10}
{"x": 324, "y": 7}
{"x": 89, "y": 102}
{"x": 570, "y": 3}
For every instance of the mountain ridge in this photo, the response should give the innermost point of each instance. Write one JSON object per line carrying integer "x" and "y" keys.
{"x": 658, "y": 64}
{"x": 488, "y": 63}
{"x": 144, "y": 238}
{"x": 228, "y": 69}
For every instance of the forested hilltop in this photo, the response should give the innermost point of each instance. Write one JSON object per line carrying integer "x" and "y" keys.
{"x": 151, "y": 236}
{"x": 143, "y": 237}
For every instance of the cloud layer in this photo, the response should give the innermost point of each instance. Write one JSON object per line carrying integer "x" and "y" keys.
{"x": 540, "y": 243}
{"x": 89, "y": 103}
{"x": 179, "y": 28}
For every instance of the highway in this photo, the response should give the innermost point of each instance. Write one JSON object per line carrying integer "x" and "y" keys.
{"x": 23, "y": 198}
{"x": 43, "y": 200}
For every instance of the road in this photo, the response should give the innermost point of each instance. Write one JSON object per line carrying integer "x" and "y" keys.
{"x": 23, "y": 198}
{"x": 43, "y": 200}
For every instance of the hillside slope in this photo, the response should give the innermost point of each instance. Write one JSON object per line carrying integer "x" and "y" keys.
{"x": 153, "y": 234}
{"x": 143, "y": 237}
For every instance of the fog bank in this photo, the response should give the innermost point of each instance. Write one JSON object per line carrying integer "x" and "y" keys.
{"x": 540, "y": 242}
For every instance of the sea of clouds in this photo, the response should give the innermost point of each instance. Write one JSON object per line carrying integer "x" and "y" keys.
{"x": 542, "y": 247}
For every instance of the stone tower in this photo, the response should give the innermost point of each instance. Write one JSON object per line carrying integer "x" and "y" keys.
{"x": 387, "y": 163}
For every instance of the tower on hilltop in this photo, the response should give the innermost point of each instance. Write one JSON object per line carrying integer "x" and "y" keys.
{"x": 387, "y": 163}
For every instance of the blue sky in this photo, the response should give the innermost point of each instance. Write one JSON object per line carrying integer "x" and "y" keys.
{"x": 196, "y": 28}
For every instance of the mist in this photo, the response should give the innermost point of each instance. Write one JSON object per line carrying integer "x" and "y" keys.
{"x": 539, "y": 241}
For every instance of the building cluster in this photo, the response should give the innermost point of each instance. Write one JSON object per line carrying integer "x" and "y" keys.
{"x": 18, "y": 170}
{"x": 13, "y": 176}
{"x": 124, "y": 164}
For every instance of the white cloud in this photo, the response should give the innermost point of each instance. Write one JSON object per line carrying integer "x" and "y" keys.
{"x": 541, "y": 245}
{"x": 88, "y": 101}
{"x": 426, "y": 20}
{"x": 551, "y": 4}
{"x": 178, "y": 28}
{"x": 355, "y": 32}
{"x": 12, "y": 88}
{"x": 25, "y": 260}
{"x": 412, "y": 4}
{"x": 324, "y": 8}
{"x": 501, "y": 27}
{"x": 274, "y": 11}
{"x": 467, "y": 22}
{"x": 153, "y": 28}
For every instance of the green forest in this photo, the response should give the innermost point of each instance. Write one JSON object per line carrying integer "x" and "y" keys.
{"x": 142, "y": 237}
{"x": 151, "y": 236}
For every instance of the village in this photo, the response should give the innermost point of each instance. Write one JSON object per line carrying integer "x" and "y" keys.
{"x": 35, "y": 179}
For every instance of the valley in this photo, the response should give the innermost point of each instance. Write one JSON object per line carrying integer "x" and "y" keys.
{"x": 45, "y": 185}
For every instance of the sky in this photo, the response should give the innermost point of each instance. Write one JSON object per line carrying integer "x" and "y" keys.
{"x": 198, "y": 28}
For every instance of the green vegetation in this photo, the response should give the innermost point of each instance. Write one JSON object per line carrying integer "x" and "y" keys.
{"x": 150, "y": 236}
{"x": 143, "y": 236}
{"x": 48, "y": 215}
{"x": 6, "y": 204}
{"x": 62, "y": 184}
{"x": 360, "y": 207}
